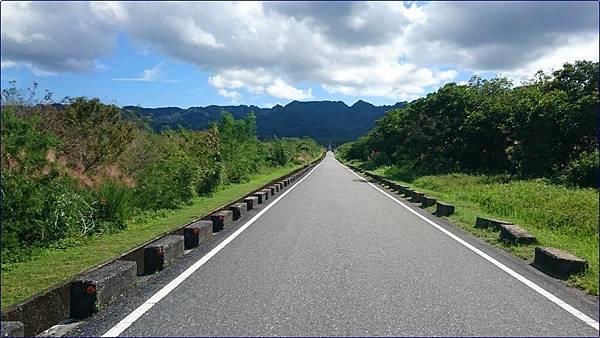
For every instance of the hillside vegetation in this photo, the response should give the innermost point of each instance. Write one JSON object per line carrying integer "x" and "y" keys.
{"x": 324, "y": 121}
{"x": 544, "y": 128}
{"x": 525, "y": 154}
{"x": 85, "y": 168}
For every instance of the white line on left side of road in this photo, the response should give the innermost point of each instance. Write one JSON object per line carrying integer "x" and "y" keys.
{"x": 551, "y": 297}
{"x": 148, "y": 304}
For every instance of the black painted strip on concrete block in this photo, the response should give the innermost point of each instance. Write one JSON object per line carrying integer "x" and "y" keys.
{"x": 558, "y": 263}
{"x": 444, "y": 209}
{"x": 221, "y": 219}
{"x": 12, "y": 329}
{"x": 251, "y": 202}
{"x": 94, "y": 290}
{"x": 261, "y": 196}
{"x": 267, "y": 193}
{"x": 162, "y": 253}
{"x": 238, "y": 210}
{"x": 196, "y": 233}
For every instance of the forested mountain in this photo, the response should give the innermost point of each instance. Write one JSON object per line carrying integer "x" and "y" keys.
{"x": 324, "y": 121}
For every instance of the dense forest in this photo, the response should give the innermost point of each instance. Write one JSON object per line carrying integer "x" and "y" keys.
{"x": 544, "y": 128}
{"x": 84, "y": 168}
{"x": 324, "y": 121}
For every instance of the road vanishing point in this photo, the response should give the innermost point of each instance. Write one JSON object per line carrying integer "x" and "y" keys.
{"x": 335, "y": 255}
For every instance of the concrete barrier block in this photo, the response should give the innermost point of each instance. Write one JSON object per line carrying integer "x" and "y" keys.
{"x": 389, "y": 184}
{"x": 196, "y": 233}
{"x": 94, "y": 290}
{"x": 416, "y": 197}
{"x": 261, "y": 196}
{"x": 251, "y": 202}
{"x": 272, "y": 190}
{"x": 557, "y": 262}
{"x": 267, "y": 193}
{"x": 408, "y": 193}
{"x": 162, "y": 253}
{"x": 222, "y": 219}
{"x": 511, "y": 233}
{"x": 12, "y": 329}
{"x": 482, "y": 222}
{"x": 444, "y": 209}
{"x": 402, "y": 189}
{"x": 238, "y": 210}
{"x": 427, "y": 202}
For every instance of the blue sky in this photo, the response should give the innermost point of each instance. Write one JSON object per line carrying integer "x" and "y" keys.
{"x": 182, "y": 55}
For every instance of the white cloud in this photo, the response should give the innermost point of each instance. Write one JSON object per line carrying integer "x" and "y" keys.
{"x": 282, "y": 90}
{"x": 353, "y": 48}
{"x": 258, "y": 81}
{"x": 148, "y": 75}
{"x": 508, "y": 37}
{"x": 54, "y": 37}
{"x": 232, "y": 95}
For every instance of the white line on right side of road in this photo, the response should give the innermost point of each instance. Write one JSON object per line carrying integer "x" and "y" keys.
{"x": 148, "y": 304}
{"x": 580, "y": 315}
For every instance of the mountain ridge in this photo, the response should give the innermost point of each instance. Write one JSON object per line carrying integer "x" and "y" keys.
{"x": 325, "y": 121}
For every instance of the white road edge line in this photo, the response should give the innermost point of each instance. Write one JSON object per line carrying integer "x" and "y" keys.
{"x": 580, "y": 315}
{"x": 148, "y": 304}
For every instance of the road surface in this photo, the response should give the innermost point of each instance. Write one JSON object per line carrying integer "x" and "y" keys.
{"x": 335, "y": 256}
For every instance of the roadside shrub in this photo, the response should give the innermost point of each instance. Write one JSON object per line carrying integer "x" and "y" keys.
{"x": 583, "y": 171}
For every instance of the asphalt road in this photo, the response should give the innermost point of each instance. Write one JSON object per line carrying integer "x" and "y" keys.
{"x": 337, "y": 257}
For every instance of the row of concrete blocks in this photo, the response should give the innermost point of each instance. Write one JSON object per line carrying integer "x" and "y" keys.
{"x": 442, "y": 209}
{"x": 553, "y": 261}
{"x": 94, "y": 290}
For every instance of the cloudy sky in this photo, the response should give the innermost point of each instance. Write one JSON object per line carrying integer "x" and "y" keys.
{"x": 190, "y": 54}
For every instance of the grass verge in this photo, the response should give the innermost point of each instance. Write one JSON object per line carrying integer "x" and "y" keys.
{"x": 558, "y": 216}
{"x": 51, "y": 266}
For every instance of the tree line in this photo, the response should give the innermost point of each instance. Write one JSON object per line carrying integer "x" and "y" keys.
{"x": 84, "y": 168}
{"x": 544, "y": 128}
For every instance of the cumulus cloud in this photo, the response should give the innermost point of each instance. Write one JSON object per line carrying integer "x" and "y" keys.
{"x": 504, "y": 36}
{"x": 232, "y": 95}
{"x": 258, "y": 81}
{"x": 54, "y": 37}
{"x": 352, "y": 48}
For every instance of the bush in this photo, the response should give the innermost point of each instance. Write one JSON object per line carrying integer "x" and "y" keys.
{"x": 583, "y": 171}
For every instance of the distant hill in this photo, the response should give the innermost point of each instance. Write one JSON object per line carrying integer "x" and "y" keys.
{"x": 325, "y": 121}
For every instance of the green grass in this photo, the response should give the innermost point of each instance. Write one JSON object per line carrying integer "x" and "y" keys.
{"x": 558, "y": 216}
{"x": 52, "y": 266}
